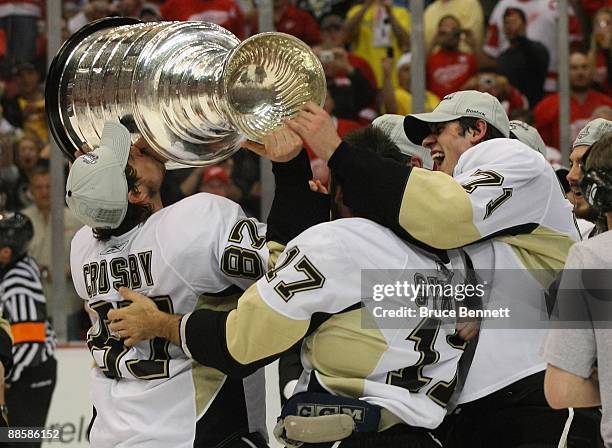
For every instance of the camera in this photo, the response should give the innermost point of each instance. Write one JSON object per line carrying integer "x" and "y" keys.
{"x": 326, "y": 56}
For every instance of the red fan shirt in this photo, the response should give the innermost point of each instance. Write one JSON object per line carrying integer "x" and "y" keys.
{"x": 546, "y": 115}
{"x": 447, "y": 71}
{"x": 225, "y": 13}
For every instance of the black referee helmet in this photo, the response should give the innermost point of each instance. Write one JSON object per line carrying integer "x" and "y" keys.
{"x": 16, "y": 232}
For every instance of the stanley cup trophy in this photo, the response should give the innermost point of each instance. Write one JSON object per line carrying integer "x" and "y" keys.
{"x": 191, "y": 89}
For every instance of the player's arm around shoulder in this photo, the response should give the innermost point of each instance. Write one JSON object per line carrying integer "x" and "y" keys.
{"x": 436, "y": 209}
{"x": 272, "y": 315}
{"x": 275, "y": 313}
{"x": 498, "y": 185}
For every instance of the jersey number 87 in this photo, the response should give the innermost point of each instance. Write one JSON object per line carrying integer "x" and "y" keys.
{"x": 113, "y": 350}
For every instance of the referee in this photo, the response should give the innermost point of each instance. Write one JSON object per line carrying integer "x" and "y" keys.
{"x": 31, "y": 380}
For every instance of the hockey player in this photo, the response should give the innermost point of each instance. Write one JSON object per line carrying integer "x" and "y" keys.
{"x": 587, "y": 216}
{"x": 198, "y": 253}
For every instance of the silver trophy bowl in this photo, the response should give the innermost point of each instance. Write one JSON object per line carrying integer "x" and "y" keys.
{"x": 191, "y": 89}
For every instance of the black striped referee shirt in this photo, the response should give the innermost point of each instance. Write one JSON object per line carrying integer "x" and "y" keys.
{"x": 24, "y": 306}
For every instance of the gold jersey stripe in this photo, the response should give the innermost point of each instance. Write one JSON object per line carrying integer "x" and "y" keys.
{"x": 436, "y": 210}
{"x": 344, "y": 351}
{"x": 542, "y": 252}
{"x": 253, "y": 321}
{"x": 207, "y": 382}
{"x": 274, "y": 250}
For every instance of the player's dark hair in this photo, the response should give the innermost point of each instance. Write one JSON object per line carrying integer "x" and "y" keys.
{"x": 135, "y": 214}
{"x": 376, "y": 141}
{"x": 468, "y": 123}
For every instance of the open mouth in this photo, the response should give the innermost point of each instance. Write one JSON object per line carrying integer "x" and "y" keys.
{"x": 577, "y": 192}
{"x": 438, "y": 158}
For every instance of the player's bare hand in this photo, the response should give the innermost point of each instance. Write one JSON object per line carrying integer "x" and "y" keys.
{"x": 317, "y": 129}
{"x": 139, "y": 321}
{"x": 279, "y": 145}
{"x": 467, "y": 330}
{"x": 257, "y": 148}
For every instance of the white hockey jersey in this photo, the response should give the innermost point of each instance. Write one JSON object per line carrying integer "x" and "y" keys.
{"x": 522, "y": 265}
{"x": 504, "y": 192}
{"x": 409, "y": 371}
{"x": 186, "y": 256}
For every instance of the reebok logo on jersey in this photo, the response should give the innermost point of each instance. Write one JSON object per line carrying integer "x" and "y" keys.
{"x": 114, "y": 248}
{"x": 477, "y": 112}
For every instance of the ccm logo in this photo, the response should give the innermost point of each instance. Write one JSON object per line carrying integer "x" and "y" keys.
{"x": 317, "y": 410}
